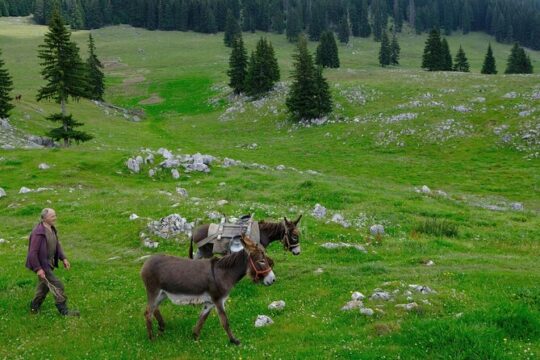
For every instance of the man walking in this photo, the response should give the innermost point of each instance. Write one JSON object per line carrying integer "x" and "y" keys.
{"x": 44, "y": 251}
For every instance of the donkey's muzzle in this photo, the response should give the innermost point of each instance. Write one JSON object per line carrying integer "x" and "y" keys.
{"x": 269, "y": 279}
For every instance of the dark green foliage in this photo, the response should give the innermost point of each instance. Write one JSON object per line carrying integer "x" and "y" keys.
{"x": 489, "y": 66}
{"x": 64, "y": 73}
{"x": 232, "y": 29}
{"x": 309, "y": 96}
{"x": 327, "y": 51}
{"x": 385, "y": 52}
{"x": 436, "y": 227}
{"x": 95, "y": 76}
{"x": 395, "y": 51}
{"x": 66, "y": 131}
{"x": 6, "y": 86}
{"x": 294, "y": 25}
{"x": 379, "y": 18}
{"x": 432, "y": 59}
{"x": 344, "y": 30}
{"x": 238, "y": 66}
{"x": 461, "y": 63}
{"x": 263, "y": 69}
{"x": 365, "y": 27}
{"x": 446, "y": 56}
{"x": 518, "y": 61}
{"x": 317, "y": 24}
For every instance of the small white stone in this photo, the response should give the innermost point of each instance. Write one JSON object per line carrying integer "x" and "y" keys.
{"x": 280, "y": 167}
{"x": 2, "y": 193}
{"x": 222, "y": 202}
{"x": 353, "y": 304}
{"x": 517, "y": 206}
{"x": 182, "y": 192}
{"x": 357, "y": 296}
{"x": 319, "y": 211}
{"x": 2, "y": 241}
{"x": 319, "y": 271}
{"x": 381, "y": 295}
{"x": 263, "y": 320}
{"x": 377, "y": 230}
{"x": 430, "y": 263}
{"x": 24, "y": 190}
{"x": 408, "y": 306}
{"x": 277, "y": 305}
{"x": 133, "y": 217}
{"x": 367, "y": 311}
{"x": 175, "y": 174}
{"x": 43, "y": 166}
{"x": 426, "y": 190}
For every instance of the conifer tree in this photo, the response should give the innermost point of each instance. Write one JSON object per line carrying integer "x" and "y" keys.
{"x": 365, "y": 27}
{"x": 294, "y": 26}
{"x": 489, "y": 66}
{"x": 518, "y": 61}
{"x": 461, "y": 63}
{"x": 65, "y": 74}
{"x": 6, "y": 86}
{"x": 96, "y": 84}
{"x": 263, "y": 70}
{"x": 316, "y": 25}
{"x": 238, "y": 66}
{"x": 385, "y": 52}
{"x": 380, "y": 18}
{"x": 395, "y": 51}
{"x": 446, "y": 56}
{"x": 344, "y": 30}
{"x": 432, "y": 59}
{"x": 354, "y": 14}
{"x": 327, "y": 51}
{"x": 307, "y": 98}
{"x": 232, "y": 29}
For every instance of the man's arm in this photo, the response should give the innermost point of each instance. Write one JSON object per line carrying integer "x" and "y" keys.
{"x": 33, "y": 254}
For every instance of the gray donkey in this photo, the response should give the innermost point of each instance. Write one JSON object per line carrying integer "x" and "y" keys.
{"x": 206, "y": 281}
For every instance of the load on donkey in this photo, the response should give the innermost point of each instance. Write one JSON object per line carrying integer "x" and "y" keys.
{"x": 224, "y": 238}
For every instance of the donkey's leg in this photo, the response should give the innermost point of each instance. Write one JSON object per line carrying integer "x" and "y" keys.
{"x": 207, "y": 308}
{"x": 150, "y": 308}
{"x": 157, "y": 314}
{"x": 220, "y": 307}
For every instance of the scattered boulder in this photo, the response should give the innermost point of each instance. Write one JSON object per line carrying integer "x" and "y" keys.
{"x": 133, "y": 165}
{"x": 426, "y": 190}
{"x": 43, "y": 166}
{"x": 3, "y": 241}
{"x": 214, "y": 215}
{"x": 357, "y": 296}
{"x": 430, "y": 263}
{"x": 25, "y": 190}
{"x": 222, "y": 202}
{"x": 422, "y": 289}
{"x": 263, "y": 320}
{"x": 517, "y": 206}
{"x": 367, "y": 311}
{"x": 408, "y": 307}
{"x": 277, "y": 305}
{"x": 377, "y": 230}
{"x": 170, "y": 226}
{"x": 2, "y": 193}
{"x": 175, "y": 174}
{"x": 280, "y": 167}
{"x": 319, "y": 211}
{"x": 339, "y": 219}
{"x": 353, "y": 304}
{"x": 381, "y": 295}
{"x": 133, "y": 217}
{"x": 182, "y": 192}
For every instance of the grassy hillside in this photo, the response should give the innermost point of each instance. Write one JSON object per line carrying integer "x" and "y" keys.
{"x": 393, "y": 130}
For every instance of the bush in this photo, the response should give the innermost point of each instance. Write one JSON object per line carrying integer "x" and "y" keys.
{"x": 434, "y": 226}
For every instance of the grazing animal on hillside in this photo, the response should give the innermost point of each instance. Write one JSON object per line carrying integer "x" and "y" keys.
{"x": 286, "y": 231}
{"x": 18, "y": 98}
{"x": 206, "y": 281}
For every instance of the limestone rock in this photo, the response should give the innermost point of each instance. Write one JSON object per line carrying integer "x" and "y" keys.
{"x": 377, "y": 230}
{"x": 277, "y": 305}
{"x": 263, "y": 320}
{"x": 319, "y": 211}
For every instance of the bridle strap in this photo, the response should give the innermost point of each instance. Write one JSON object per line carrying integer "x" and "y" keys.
{"x": 259, "y": 272}
{"x": 286, "y": 238}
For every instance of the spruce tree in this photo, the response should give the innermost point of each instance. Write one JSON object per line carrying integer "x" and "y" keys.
{"x": 446, "y": 56}
{"x": 395, "y": 51}
{"x": 294, "y": 26}
{"x": 96, "y": 84}
{"x": 238, "y": 66}
{"x": 316, "y": 25}
{"x": 6, "y": 86}
{"x": 489, "y": 66}
{"x": 65, "y": 74}
{"x": 365, "y": 27}
{"x": 380, "y": 18}
{"x": 323, "y": 101}
{"x": 461, "y": 63}
{"x": 307, "y": 98}
{"x": 327, "y": 51}
{"x": 263, "y": 70}
{"x": 518, "y": 61}
{"x": 344, "y": 30}
{"x": 385, "y": 52}
{"x": 232, "y": 29}
{"x": 432, "y": 59}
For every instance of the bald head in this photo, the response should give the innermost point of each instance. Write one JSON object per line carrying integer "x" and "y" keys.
{"x": 48, "y": 216}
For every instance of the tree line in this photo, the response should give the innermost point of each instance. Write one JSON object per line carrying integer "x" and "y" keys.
{"x": 508, "y": 20}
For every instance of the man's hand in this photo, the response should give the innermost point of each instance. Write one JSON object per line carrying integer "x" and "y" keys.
{"x": 67, "y": 265}
{"x": 41, "y": 274}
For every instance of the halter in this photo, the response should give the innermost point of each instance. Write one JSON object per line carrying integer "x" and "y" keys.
{"x": 263, "y": 273}
{"x": 287, "y": 239}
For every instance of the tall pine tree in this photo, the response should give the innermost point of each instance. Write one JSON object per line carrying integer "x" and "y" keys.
{"x": 446, "y": 56}
{"x": 94, "y": 68}
{"x": 380, "y": 18}
{"x": 327, "y": 51}
{"x": 365, "y": 27}
{"x": 238, "y": 66}
{"x": 6, "y": 86}
{"x": 307, "y": 98}
{"x": 232, "y": 29}
{"x": 385, "y": 52}
{"x": 461, "y": 63}
{"x": 489, "y": 67}
{"x": 64, "y": 72}
{"x": 395, "y": 51}
{"x": 518, "y": 61}
{"x": 294, "y": 24}
{"x": 263, "y": 70}
{"x": 432, "y": 59}
{"x": 344, "y": 30}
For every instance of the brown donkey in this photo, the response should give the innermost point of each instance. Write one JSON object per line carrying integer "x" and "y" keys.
{"x": 207, "y": 282}
{"x": 286, "y": 231}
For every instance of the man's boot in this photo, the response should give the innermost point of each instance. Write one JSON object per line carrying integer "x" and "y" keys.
{"x": 64, "y": 311}
{"x": 34, "y": 307}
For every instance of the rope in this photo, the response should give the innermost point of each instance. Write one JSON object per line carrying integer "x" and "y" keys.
{"x": 55, "y": 291}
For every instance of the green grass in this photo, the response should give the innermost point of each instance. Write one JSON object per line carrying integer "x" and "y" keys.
{"x": 487, "y": 303}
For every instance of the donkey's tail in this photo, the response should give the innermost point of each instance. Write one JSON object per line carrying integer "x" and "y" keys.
{"x": 191, "y": 247}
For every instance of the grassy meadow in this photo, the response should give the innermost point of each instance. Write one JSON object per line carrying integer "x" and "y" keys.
{"x": 393, "y": 130}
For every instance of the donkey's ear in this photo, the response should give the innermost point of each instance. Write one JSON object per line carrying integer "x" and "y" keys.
{"x": 249, "y": 244}
{"x": 286, "y": 220}
{"x": 295, "y": 222}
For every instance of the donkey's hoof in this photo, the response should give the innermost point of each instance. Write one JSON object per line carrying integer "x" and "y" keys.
{"x": 235, "y": 341}
{"x": 195, "y": 336}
